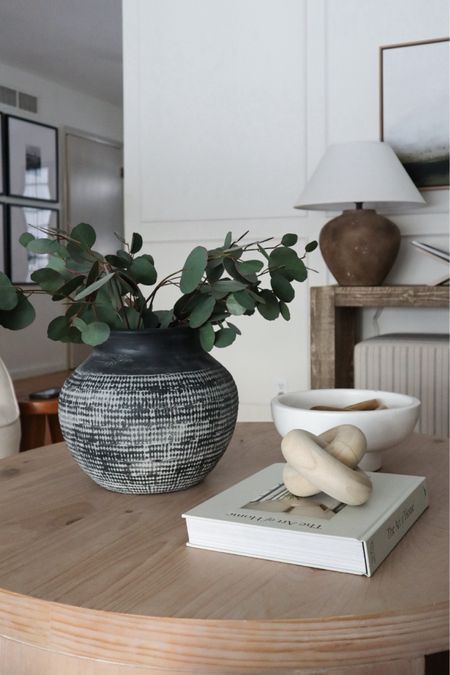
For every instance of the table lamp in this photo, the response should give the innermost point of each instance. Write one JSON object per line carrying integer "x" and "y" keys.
{"x": 359, "y": 246}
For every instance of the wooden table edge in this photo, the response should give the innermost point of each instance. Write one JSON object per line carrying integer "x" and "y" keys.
{"x": 182, "y": 643}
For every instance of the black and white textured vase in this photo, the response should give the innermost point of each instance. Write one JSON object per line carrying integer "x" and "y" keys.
{"x": 148, "y": 411}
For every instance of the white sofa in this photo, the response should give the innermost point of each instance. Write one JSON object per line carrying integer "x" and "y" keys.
{"x": 9, "y": 415}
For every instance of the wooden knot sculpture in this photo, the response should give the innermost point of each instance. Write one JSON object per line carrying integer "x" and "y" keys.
{"x": 326, "y": 463}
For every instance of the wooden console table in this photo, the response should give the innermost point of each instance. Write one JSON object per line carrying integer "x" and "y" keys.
{"x": 98, "y": 583}
{"x": 334, "y": 314}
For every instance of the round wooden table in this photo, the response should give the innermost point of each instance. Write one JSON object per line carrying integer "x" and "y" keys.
{"x": 94, "y": 582}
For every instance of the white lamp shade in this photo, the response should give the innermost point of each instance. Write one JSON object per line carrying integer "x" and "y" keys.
{"x": 363, "y": 171}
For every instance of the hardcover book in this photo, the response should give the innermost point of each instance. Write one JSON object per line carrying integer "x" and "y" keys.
{"x": 258, "y": 517}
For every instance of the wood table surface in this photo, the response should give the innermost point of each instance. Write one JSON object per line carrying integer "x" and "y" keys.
{"x": 94, "y": 582}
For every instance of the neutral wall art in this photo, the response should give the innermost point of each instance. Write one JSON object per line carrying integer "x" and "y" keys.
{"x": 414, "y": 98}
{"x": 32, "y": 159}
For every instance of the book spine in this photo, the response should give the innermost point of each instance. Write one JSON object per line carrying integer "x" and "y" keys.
{"x": 378, "y": 546}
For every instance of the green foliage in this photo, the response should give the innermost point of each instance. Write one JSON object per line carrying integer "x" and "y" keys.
{"x": 104, "y": 293}
{"x": 193, "y": 269}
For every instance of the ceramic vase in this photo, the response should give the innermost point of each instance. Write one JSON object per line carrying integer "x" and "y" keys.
{"x": 148, "y": 411}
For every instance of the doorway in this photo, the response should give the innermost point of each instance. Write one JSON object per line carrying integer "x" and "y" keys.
{"x": 94, "y": 195}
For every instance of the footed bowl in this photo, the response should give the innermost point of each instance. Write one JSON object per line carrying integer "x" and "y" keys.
{"x": 383, "y": 428}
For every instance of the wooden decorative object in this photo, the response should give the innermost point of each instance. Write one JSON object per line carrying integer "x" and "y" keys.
{"x": 98, "y": 583}
{"x": 327, "y": 463}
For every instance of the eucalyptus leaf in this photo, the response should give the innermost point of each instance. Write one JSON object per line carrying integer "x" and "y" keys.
{"x": 95, "y": 334}
{"x": 214, "y": 272}
{"x": 94, "y": 287}
{"x": 300, "y": 272}
{"x": 116, "y": 261}
{"x": 249, "y": 267}
{"x": 20, "y": 317}
{"x": 9, "y": 297}
{"x": 25, "y": 238}
{"x": 69, "y": 287}
{"x": 105, "y": 312}
{"x": 228, "y": 286}
{"x": 77, "y": 253}
{"x": 57, "y": 264}
{"x": 289, "y": 239}
{"x": 245, "y": 298}
{"x": 207, "y": 336}
{"x": 150, "y": 319}
{"x": 79, "y": 323}
{"x": 84, "y": 233}
{"x": 282, "y": 287}
{"x": 136, "y": 243}
{"x": 234, "y": 252}
{"x": 202, "y": 311}
{"x": 282, "y": 257}
{"x": 185, "y": 305}
{"x": 228, "y": 240}
{"x": 58, "y": 328}
{"x": 83, "y": 266}
{"x": 142, "y": 271}
{"x": 74, "y": 308}
{"x": 4, "y": 280}
{"x": 284, "y": 310}
{"x": 41, "y": 245}
{"x": 286, "y": 261}
{"x": 72, "y": 336}
{"x": 93, "y": 273}
{"x": 133, "y": 318}
{"x": 233, "y": 306}
{"x": 60, "y": 250}
{"x": 48, "y": 279}
{"x": 224, "y": 337}
{"x": 126, "y": 257}
{"x": 194, "y": 269}
{"x": 270, "y": 310}
{"x": 233, "y": 327}
{"x": 165, "y": 317}
{"x": 311, "y": 246}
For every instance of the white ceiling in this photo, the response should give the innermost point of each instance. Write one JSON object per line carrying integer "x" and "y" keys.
{"x": 75, "y": 42}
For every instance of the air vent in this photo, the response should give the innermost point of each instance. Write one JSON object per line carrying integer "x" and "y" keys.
{"x": 8, "y": 96}
{"x": 28, "y": 102}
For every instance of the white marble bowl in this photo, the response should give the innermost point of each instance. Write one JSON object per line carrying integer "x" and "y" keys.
{"x": 382, "y": 428}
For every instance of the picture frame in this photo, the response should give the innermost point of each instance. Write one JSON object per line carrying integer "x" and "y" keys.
{"x": 27, "y": 218}
{"x": 414, "y": 94}
{"x": 2, "y": 155}
{"x": 3, "y": 257}
{"x": 31, "y": 160}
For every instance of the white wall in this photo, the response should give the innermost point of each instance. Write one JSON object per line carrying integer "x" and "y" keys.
{"x": 228, "y": 108}
{"x": 30, "y": 352}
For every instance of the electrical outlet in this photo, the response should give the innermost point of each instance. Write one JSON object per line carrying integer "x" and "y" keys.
{"x": 281, "y": 385}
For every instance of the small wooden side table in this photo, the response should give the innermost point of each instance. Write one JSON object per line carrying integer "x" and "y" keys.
{"x": 334, "y": 315}
{"x": 98, "y": 583}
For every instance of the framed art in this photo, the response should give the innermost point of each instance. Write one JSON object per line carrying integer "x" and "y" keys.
{"x": 414, "y": 95}
{"x": 32, "y": 159}
{"x": 3, "y": 262}
{"x": 23, "y": 218}
{"x": 2, "y": 156}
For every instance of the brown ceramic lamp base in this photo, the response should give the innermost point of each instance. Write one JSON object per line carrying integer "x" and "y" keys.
{"x": 360, "y": 247}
